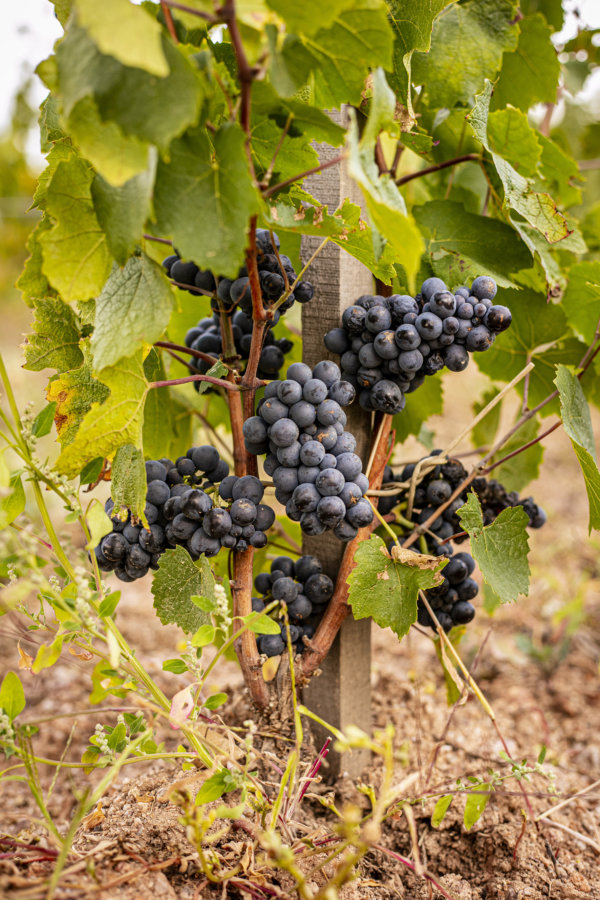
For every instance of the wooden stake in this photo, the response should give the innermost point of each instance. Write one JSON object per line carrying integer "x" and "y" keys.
{"x": 341, "y": 694}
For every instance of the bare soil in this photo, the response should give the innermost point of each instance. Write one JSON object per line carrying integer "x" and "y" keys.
{"x": 134, "y": 845}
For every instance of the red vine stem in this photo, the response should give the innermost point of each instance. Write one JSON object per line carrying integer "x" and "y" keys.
{"x": 218, "y": 382}
{"x": 169, "y": 21}
{"x": 467, "y": 157}
{"x": 319, "y": 168}
{"x": 337, "y": 610}
{"x": 245, "y": 645}
{"x": 197, "y": 354}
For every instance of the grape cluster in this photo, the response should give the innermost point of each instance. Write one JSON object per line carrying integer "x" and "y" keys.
{"x": 275, "y": 271}
{"x": 451, "y": 599}
{"x": 389, "y": 344}
{"x": 317, "y": 475}
{"x": 206, "y": 337}
{"x": 182, "y": 510}
{"x": 305, "y": 590}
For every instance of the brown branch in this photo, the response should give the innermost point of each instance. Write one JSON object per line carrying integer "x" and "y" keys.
{"x": 212, "y": 20}
{"x": 319, "y": 168}
{"x": 169, "y": 20}
{"x": 218, "y": 382}
{"x": 192, "y": 288}
{"x": 245, "y": 645}
{"x": 338, "y": 608}
{"x": 197, "y": 354}
{"x": 524, "y": 447}
{"x": 157, "y": 240}
{"x": 467, "y": 157}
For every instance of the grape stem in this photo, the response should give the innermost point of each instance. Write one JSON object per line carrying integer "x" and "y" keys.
{"x": 317, "y": 649}
{"x": 466, "y": 157}
{"x": 212, "y": 20}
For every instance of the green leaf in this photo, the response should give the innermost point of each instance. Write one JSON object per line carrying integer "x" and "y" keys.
{"x": 167, "y": 423}
{"x": 174, "y": 584}
{"x": 483, "y": 433}
{"x": 385, "y": 204}
{"x": 205, "y": 634}
{"x": 122, "y": 211}
{"x": 476, "y": 33}
{"x": 74, "y": 393}
{"x": 127, "y": 32}
{"x": 345, "y": 226}
{"x": 511, "y": 136}
{"x": 463, "y": 245}
{"x": 261, "y": 624}
{"x": 516, "y": 473}
{"x": 558, "y": 171}
{"x": 32, "y": 282}
{"x": 133, "y": 310}
{"x": 205, "y": 603}
{"x": 360, "y": 38}
{"x": 295, "y": 155}
{"x": 441, "y": 808}
{"x": 305, "y": 120}
{"x": 581, "y": 301}
{"x": 309, "y": 17}
{"x": 44, "y": 420}
{"x": 412, "y": 22}
{"x": 54, "y": 341}
{"x": 177, "y": 666}
{"x": 577, "y": 423}
{"x": 214, "y": 787}
{"x": 204, "y": 197}
{"x": 92, "y": 471}
{"x": 531, "y": 72}
{"x": 475, "y": 805}
{"x": 116, "y": 156}
{"x": 109, "y": 604}
{"x": 214, "y": 701}
{"x": 420, "y": 405}
{"x": 12, "y": 695}
{"x": 98, "y": 523}
{"x": 76, "y": 257}
{"x": 500, "y": 549}
{"x": 12, "y": 500}
{"x": 108, "y": 425}
{"x": 385, "y": 586}
{"x": 163, "y": 107}
{"x": 128, "y": 481}
{"x": 48, "y": 654}
{"x": 538, "y": 332}
{"x": 537, "y": 208}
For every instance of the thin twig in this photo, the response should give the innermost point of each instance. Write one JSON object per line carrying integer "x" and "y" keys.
{"x": 320, "y": 168}
{"x": 553, "y": 809}
{"x": 467, "y": 157}
{"x": 212, "y": 20}
{"x": 218, "y": 382}
{"x": 575, "y": 834}
{"x": 169, "y": 20}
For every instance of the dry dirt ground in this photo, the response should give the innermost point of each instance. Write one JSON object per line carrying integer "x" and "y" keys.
{"x": 548, "y": 696}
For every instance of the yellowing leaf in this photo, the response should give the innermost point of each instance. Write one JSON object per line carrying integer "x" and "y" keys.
{"x": 124, "y": 31}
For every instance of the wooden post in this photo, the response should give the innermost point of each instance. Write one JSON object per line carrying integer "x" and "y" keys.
{"x": 341, "y": 694}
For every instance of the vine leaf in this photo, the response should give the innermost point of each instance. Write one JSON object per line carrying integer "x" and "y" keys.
{"x": 462, "y": 244}
{"x": 412, "y": 22}
{"x": 115, "y": 155}
{"x": 177, "y": 580}
{"x": 536, "y": 207}
{"x": 384, "y": 202}
{"x": 204, "y": 197}
{"x": 74, "y": 392}
{"x": 310, "y": 16}
{"x": 128, "y": 481}
{"x": 108, "y": 425}
{"x": 581, "y": 301}
{"x": 135, "y": 42}
{"x": 531, "y": 71}
{"x": 76, "y": 258}
{"x": 577, "y": 423}
{"x": 135, "y": 304}
{"x": 386, "y": 585}
{"x": 500, "y": 549}
{"x": 122, "y": 211}
{"x": 516, "y": 473}
{"x": 478, "y": 33}
{"x": 54, "y": 341}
